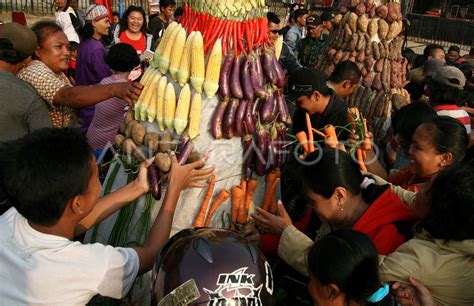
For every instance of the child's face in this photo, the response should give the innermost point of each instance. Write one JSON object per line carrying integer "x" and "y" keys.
{"x": 91, "y": 196}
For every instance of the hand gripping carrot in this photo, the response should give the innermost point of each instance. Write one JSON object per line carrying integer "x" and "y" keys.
{"x": 221, "y": 198}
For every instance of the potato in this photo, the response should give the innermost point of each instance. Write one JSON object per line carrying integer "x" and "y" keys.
{"x": 369, "y": 62}
{"x": 377, "y": 82}
{"x": 378, "y": 65}
{"x": 368, "y": 45}
{"x": 372, "y": 28}
{"x": 362, "y": 23}
{"x": 119, "y": 138}
{"x": 391, "y": 15}
{"x": 152, "y": 140}
{"x": 353, "y": 42}
{"x": 382, "y": 11}
{"x": 361, "y": 56}
{"x": 138, "y": 133}
{"x": 375, "y": 50}
{"x": 372, "y": 12}
{"x": 166, "y": 142}
{"x": 367, "y": 82}
{"x": 163, "y": 162}
{"x": 360, "y": 9}
{"x": 383, "y": 29}
{"x": 339, "y": 55}
{"x": 355, "y": 3}
{"x": 363, "y": 71}
{"x": 382, "y": 50}
{"x": 393, "y": 31}
{"x": 122, "y": 127}
{"x": 369, "y": 4}
{"x": 128, "y": 129}
{"x": 337, "y": 19}
{"x": 128, "y": 146}
{"x": 129, "y": 116}
{"x": 352, "y": 22}
{"x": 360, "y": 46}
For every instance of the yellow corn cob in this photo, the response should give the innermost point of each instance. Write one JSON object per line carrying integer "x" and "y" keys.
{"x": 164, "y": 61}
{"x": 160, "y": 103}
{"x": 145, "y": 101}
{"x": 182, "y": 110}
{"x": 151, "y": 110}
{"x": 211, "y": 82}
{"x": 146, "y": 76}
{"x": 178, "y": 49}
{"x": 194, "y": 116}
{"x": 197, "y": 62}
{"x": 169, "y": 107}
{"x": 163, "y": 42}
{"x": 278, "y": 46}
{"x": 146, "y": 89}
{"x": 184, "y": 70}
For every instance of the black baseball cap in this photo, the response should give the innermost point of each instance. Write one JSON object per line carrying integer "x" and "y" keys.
{"x": 305, "y": 81}
{"x": 313, "y": 21}
{"x": 326, "y": 16}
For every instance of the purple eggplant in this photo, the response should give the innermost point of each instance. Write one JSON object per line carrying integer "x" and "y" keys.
{"x": 183, "y": 155}
{"x": 272, "y": 150}
{"x": 258, "y": 88}
{"x": 249, "y": 120}
{"x": 263, "y": 139}
{"x": 235, "y": 87}
{"x": 228, "y": 124}
{"x": 268, "y": 110}
{"x": 268, "y": 68}
{"x": 182, "y": 143}
{"x": 239, "y": 118}
{"x": 282, "y": 107}
{"x": 282, "y": 152}
{"x": 224, "y": 77}
{"x": 218, "y": 118}
{"x": 249, "y": 154}
{"x": 154, "y": 181}
{"x": 258, "y": 68}
{"x": 281, "y": 77}
{"x": 245, "y": 80}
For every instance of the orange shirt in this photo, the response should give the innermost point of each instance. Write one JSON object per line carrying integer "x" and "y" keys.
{"x": 407, "y": 180}
{"x": 139, "y": 44}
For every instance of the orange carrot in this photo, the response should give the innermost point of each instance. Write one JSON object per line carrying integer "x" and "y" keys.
{"x": 274, "y": 207}
{"x": 201, "y": 216}
{"x": 353, "y": 115}
{"x": 270, "y": 188}
{"x": 319, "y": 132}
{"x": 366, "y": 144}
{"x": 243, "y": 213}
{"x": 303, "y": 140}
{"x": 331, "y": 136}
{"x": 237, "y": 202}
{"x": 310, "y": 134}
{"x": 243, "y": 184}
{"x": 360, "y": 160}
{"x": 221, "y": 198}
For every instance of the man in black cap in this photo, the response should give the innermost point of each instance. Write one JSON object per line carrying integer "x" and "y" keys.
{"x": 314, "y": 97}
{"x": 22, "y": 108}
{"x": 310, "y": 47}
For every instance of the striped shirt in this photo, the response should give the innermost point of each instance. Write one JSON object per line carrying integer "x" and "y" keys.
{"x": 455, "y": 112}
{"x": 108, "y": 116}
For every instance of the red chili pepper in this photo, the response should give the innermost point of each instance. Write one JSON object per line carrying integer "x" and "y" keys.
{"x": 209, "y": 23}
{"x": 234, "y": 38}
{"x": 240, "y": 26}
{"x": 248, "y": 35}
{"x": 225, "y": 46}
{"x": 215, "y": 34}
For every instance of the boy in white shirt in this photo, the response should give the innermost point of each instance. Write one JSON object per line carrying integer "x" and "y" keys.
{"x": 51, "y": 178}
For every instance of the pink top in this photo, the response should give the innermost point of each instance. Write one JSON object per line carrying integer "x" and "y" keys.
{"x": 108, "y": 116}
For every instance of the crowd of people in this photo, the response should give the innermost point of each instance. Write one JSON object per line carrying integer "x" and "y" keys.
{"x": 402, "y": 232}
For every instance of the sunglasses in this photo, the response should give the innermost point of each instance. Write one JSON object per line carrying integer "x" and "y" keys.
{"x": 276, "y": 31}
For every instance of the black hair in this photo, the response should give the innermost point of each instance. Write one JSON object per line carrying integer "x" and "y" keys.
{"x": 122, "y": 57}
{"x": 454, "y": 48}
{"x": 166, "y": 3}
{"x": 41, "y": 172}
{"x": 292, "y": 6}
{"x": 429, "y": 50}
{"x": 466, "y": 69}
{"x": 471, "y": 52}
{"x": 409, "y": 54}
{"x": 409, "y": 117}
{"x": 86, "y": 31}
{"x": 449, "y": 135}
{"x": 331, "y": 168}
{"x": 65, "y": 8}
{"x": 451, "y": 216}
{"x": 443, "y": 94}
{"x": 273, "y": 18}
{"x": 178, "y": 12}
{"x": 73, "y": 46}
{"x": 115, "y": 13}
{"x": 43, "y": 29}
{"x": 123, "y": 23}
{"x": 346, "y": 70}
{"x": 9, "y": 54}
{"x": 418, "y": 61}
{"x": 299, "y": 13}
{"x": 349, "y": 260}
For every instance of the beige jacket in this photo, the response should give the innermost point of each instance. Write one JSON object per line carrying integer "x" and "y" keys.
{"x": 446, "y": 269}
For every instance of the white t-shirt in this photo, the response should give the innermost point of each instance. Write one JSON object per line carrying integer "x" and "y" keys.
{"x": 37, "y": 268}
{"x": 64, "y": 21}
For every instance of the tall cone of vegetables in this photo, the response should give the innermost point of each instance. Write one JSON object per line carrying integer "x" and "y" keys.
{"x": 367, "y": 33}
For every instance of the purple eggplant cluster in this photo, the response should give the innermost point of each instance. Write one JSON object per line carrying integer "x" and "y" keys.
{"x": 252, "y": 106}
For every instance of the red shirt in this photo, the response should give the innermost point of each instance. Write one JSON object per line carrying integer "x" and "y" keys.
{"x": 139, "y": 44}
